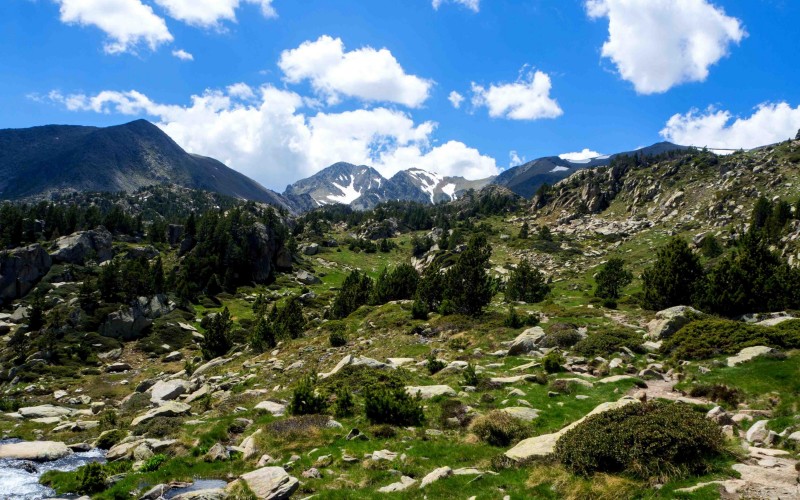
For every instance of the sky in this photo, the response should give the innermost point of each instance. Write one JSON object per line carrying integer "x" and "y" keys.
{"x": 280, "y": 89}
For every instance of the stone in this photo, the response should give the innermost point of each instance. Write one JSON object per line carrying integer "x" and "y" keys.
{"x": 671, "y": 320}
{"x": 719, "y": 416}
{"x": 168, "y": 409}
{"x": 20, "y": 270}
{"x": 276, "y": 409}
{"x": 522, "y": 413}
{"x": 168, "y": 390}
{"x": 312, "y": 473}
{"x": 758, "y": 432}
{"x": 307, "y": 278}
{"x": 117, "y": 367}
{"x": 37, "y": 451}
{"x": 349, "y": 360}
{"x": 206, "y": 494}
{"x": 217, "y": 453}
{"x": 615, "y": 378}
{"x": 249, "y": 447}
{"x": 204, "y": 390}
{"x": 79, "y": 247}
{"x": 209, "y": 366}
{"x": 526, "y": 341}
{"x": 400, "y": 361}
{"x": 544, "y": 445}
{"x": 173, "y": 356}
{"x": 131, "y": 323}
{"x": 270, "y": 483}
{"x": 310, "y": 249}
{"x": 430, "y": 391}
{"x": 435, "y": 475}
{"x": 750, "y": 353}
{"x": 404, "y": 483}
{"x": 45, "y": 411}
{"x": 387, "y": 455}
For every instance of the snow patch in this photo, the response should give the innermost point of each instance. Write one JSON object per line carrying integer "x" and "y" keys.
{"x": 349, "y": 192}
{"x": 427, "y": 180}
{"x": 449, "y": 190}
{"x": 560, "y": 169}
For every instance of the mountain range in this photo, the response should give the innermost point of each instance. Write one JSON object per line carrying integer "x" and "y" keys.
{"x": 40, "y": 161}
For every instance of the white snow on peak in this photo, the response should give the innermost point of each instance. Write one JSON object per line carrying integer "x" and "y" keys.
{"x": 450, "y": 190}
{"x": 349, "y": 192}
{"x": 560, "y": 169}
{"x": 428, "y": 180}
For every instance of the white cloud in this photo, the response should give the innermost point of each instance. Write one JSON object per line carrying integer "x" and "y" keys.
{"x": 713, "y": 128}
{"x": 526, "y": 99}
{"x": 455, "y": 99}
{"x": 658, "y": 44}
{"x": 263, "y": 133}
{"x": 127, "y": 23}
{"x": 473, "y": 5}
{"x": 586, "y": 154}
{"x": 183, "y": 55}
{"x": 209, "y": 13}
{"x": 365, "y": 73}
{"x": 516, "y": 159}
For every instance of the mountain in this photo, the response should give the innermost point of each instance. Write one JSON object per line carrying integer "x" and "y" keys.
{"x": 526, "y": 179}
{"x": 40, "y": 161}
{"x": 363, "y": 187}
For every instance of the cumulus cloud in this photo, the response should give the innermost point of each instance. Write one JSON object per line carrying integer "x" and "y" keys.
{"x": 209, "y": 13}
{"x": 365, "y": 73}
{"x": 473, "y": 5}
{"x": 183, "y": 55}
{"x": 515, "y": 159}
{"x": 586, "y": 154}
{"x": 455, "y": 99}
{"x": 658, "y": 44}
{"x": 714, "y": 128}
{"x": 263, "y": 133}
{"x": 127, "y": 23}
{"x": 526, "y": 99}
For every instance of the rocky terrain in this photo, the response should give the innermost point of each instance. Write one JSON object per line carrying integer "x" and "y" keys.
{"x": 475, "y": 348}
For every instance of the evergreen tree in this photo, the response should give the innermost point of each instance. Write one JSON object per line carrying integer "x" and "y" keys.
{"x": 398, "y": 284}
{"x": 523, "y": 231}
{"x": 86, "y": 295}
{"x": 263, "y": 335}
{"x": 108, "y": 283}
{"x": 213, "y": 286}
{"x": 216, "y": 340}
{"x": 288, "y": 321}
{"x": 526, "y": 284}
{"x": 467, "y": 284}
{"x": 157, "y": 280}
{"x": 674, "y": 278}
{"x": 36, "y": 312}
{"x": 355, "y": 292}
{"x": 612, "y": 278}
{"x": 430, "y": 291}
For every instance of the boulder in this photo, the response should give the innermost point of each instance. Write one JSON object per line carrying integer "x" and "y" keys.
{"x": 349, "y": 360}
{"x": 45, "y": 411}
{"x": 758, "y": 432}
{"x": 671, "y": 320}
{"x": 750, "y": 353}
{"x": 307, "y": 278}
{"x": 217, "y": 453}
{"x": 544, "y": 445}
{"x": 168, "y": 409}
{"x": 79, "y": 247}
{"x": 207, "y": 494}
{"x": 310, "y": 249}
{"x": 526, "y": 341}
{"x": 130, "y": 323}
{"x": 276, "y": 409}
{"x": 173, "y": 356}
{"x": 435, "y": 475}
{"x": 269, "y": 483}
{"x": 522, "y": 413}
{"x": 404, "y": 483}
{"x": 20, "y": 270}
{"x": 430, "y": 391}
{"x": 37, "y": 451}
{"x": 117, "y": 367}
{"x": 168, "y": 390}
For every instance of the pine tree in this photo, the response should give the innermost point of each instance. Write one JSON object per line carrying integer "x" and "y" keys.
{"x": 36, "y": 312}
{"x": 612, "y": 278}
{"x": 674, "y": 278}
{"x": 523, "y": 231}
{"x": 263, "y": 335}
{"x": 355, "y": 292}
{"x": 157, "y": 276}
{"x": 526, "y": 284}
{"x": 216, "y": 341}
{"x": 467, "y": 284}
{"x": 108, "y": 283}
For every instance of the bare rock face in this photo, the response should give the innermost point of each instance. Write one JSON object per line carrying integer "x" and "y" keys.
{"x": 129, "y": 324}
{"x": 79, "y": 247}
{"x": 270, "y": 483}
{"x": 21, "y": 269}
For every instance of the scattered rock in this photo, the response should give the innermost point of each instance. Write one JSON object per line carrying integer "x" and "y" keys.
{"x": 750, "y": 353}
{"x": 168, "y": 409}
{"x": 37, "y": 451}
{"x": 276, "y": 409}
{"x": 168, "y": 390}
{"x": 79, "y": 247}
{"x": 526, "y": 341}
{"x": 269, "y": 483}
{"x": 671, "y": 320}
{"x": 430, "y": 391}
{"x": 435, "y": 475}
{"x": 404, "y": 483}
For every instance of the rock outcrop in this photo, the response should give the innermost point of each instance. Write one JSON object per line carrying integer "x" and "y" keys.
{"x": 21, "y": 269}
{"x": 79, "y": 247}
{"x": 38, "y": 451}
{"x": 130, "y": 323}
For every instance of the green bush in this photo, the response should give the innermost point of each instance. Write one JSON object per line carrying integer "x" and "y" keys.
{"x": 552, "y": 362}
{"x": 419, "y": 309}
{"x": 392, "y": 406}
{"x": 471, "y": 377}
{"x": 498, "y": 428}
{"x": 434, "y": 365}
{"x": 562, "y": 336}
{"x": 607, "y": 342}
{"x": 344, "y": 404}
{"x": 337, "y": 339}
{"x": 305, "y": 400}
{"x": 708, "y": 338}
{"x": 91, "y": 479}
{"x": 107, "y": 440}
{"x": 611, "y": 279}
{"x": 526, "y": 284}
{"x": 718, "y": 393}
{"x": 675, "y": 277}
{"x": 153, "y": 463}
{"x": 652, "y": 441}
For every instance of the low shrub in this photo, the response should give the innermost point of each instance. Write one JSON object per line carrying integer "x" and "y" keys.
{"x": 708, "y": 338}
{"x": 159, "y": 427}
{"x": 453, "y": 408}
{"x": 561, "y": 335}
{"x": 392, "y": 406}
{"x": 344, "y": 404}
{"x": 718, "y": 393}
{"x": 651, "y": 441}
{"x": 292, "y": 427}
{"x": 605, "y": 342}
{"x": 153, "y": 463}
{"x": 91, "y": 479}
{"x": 552, "y": 362}
{"x": 434, "y": 365}
{"x": 107, "y": 440}
{"x": 471, "y": 377}
{"x": 305, "y": 400}
{"x": 337, "y": 339}
{"x": 498, "y": 428}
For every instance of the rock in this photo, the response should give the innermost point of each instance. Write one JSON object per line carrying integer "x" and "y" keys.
{"x": 387, "y": 455}
{"x": 312, "y": 473}
{"x": 20, "y": 270}
{"x": 749, "y": 353}
{"x": 130, "y": 323}
{"x": 435, "y": 475}
{"x": 671, "y": 320}
{"x": 204, "y": 390}
{"x": 37, "y": 451}
{"x": 284, "y": 259}
{"x": 758, "y": 432}
{"x": 522, "y": 413}
{"x": 400, "y": 361}
{"x": 45, "y": 411}
{"x": 307, "y": 278}
{"x": 210, "y": 365}
{"x": 79, "y": 247}
{"x": 404, "y": 483}
{"x": 276, "y": 409}
{"x": 310, "y": 249}
{"x": 349, "y": 360}
{"x": 356, "y": 434}
{"x": 173, "y": 356}
{"x": 217, "y": 453}
{"x": 207, "y": 494}
{"x": 526, "y": 341}
{"x": 117, "y": 367}
{"x": 615, "y": 378}
{"x": 543, "y": 446}
{"x": 269, "y": 483}
{"x": 719, "y": 416}
{"x": 168, "y": 409}
{"x": 430, "y": 391}
{"x": 168, "y": 390}
{"x": 249, "y": 447}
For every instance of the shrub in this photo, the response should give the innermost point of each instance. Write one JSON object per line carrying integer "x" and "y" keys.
{"x": 355, "y": 292}
{"x": 153, "y": 463}
{"x": 562, "y": 336}
{"x": 337, "y": 337}
{"x": 526, "y": 284}
{"x": 719, "y": 393}
{"x": 607, "y": 342}
{"x": 158, "y": 427}
{"x": 498, "y": 428}
{"x": 467, "y": 284}
{"x": 611, "y": 279}
{"x": 419, "y": 309}
{"x": 471, "y": 377}
{"x": 107, "y": 440}
{"x": 91, "y": 479}
{"x": 452, "y": 408}
{"x": 652, "y": 441}
{"x": 674, "y": 278}
{"x": 398, "y": 284}
{"x": 262, "y": 336}
{"x": 552, "y": 362}
{"x": 707, "y": 338}
{"x": 392, "y": 406}
{"x": 216, "y": 340}
{"x": 305, "y": 400}
{"x": 434, "y": 365}
{"x": 344, "y": 404}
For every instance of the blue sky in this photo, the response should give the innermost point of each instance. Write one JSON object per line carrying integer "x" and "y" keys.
{"x": 279, "y": 89}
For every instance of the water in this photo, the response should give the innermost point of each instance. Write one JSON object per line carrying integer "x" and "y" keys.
{"x": 18, "y": 484}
